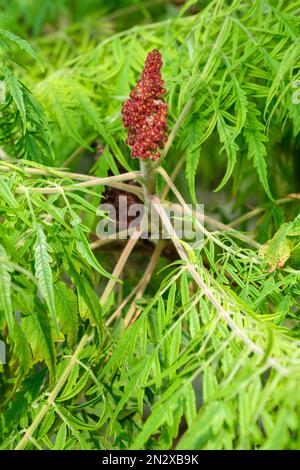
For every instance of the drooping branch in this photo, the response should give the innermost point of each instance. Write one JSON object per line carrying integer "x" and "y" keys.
{"x": 224, "y": 314}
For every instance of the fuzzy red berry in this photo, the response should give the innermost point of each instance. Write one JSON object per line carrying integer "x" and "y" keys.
{"x": 145, "y": 113}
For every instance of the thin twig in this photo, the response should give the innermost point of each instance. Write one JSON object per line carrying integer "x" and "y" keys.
{"x": 197, "y": 222}
{"x": 122, "y": 235}
{"x": 121, "y": 263}
{"x": 225, "y": 315}
{"x": 3, "y": 155}
{"x": 206, "y": 218}
{"x": 45, "y": 171}
{"x": 249, "y": 215}
{"x": 173, "y": 177}
{"x": 52, "y": 396}
{"x": 73, "y": 156}
{"x": 217, "y": 224}
{"x": 120, "y": 307}
{"x": 143, "y": 283}
{"x": 141, "y": 286}
{"x": 87, "y": 184}
{"x": 113, "y": 181}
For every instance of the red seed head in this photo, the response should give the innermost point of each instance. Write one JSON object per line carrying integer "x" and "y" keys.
{"x": 145, "y": 113}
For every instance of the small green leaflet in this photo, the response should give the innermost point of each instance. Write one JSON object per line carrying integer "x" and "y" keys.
{"x": 8, "y": 36}
{"x": 256, "y": 139}
{"x": 43, "y": 274}
{"x": 6, "y": 193}
{"x": 21, "y": 351}
{"x": 226, "y": 134}
{"x": 16, "y": 91}
{"x": 37, "y": 329}
{"x": 84, "y": 249}
{"x": 5, "y": 289}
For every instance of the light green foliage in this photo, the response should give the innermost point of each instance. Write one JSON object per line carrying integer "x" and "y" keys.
{"x": 278, "y": 250}
{"x": 194, "y": 368}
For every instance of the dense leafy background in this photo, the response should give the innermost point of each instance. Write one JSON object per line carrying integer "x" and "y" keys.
{"x": 189, "y": 373}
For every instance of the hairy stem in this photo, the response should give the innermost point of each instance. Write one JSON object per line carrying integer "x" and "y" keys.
{"x": 148, "y": 178}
